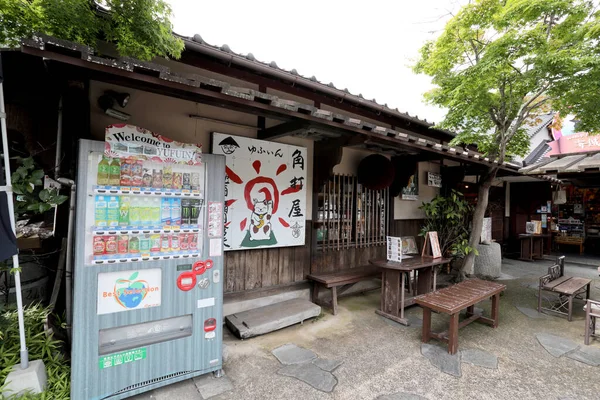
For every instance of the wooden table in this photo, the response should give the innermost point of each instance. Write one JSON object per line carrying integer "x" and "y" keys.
{"x": 569, "y": 241}
{"x": 532, "y": 246}
{"x": 393, "y": 281}
{"x": 452, "y": 301}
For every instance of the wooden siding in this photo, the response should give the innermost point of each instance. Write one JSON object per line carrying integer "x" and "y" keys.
{"x": 264, "y": 268}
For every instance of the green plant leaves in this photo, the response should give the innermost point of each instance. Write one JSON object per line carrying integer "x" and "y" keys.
{"x": 41, "y": 345}
{"x": 134, "y": 276}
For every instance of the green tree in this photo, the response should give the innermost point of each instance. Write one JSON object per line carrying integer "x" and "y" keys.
{"x": 138, "y": 28}
{"x": 499, "y": 64}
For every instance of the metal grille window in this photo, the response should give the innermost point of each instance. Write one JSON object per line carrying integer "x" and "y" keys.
{"x": 350, "y": 215}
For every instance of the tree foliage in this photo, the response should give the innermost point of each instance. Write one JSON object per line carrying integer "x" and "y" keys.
{"x": 139, "y": 28}
{"x": 500, "y": 63}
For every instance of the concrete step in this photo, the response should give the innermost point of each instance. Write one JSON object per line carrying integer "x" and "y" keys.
{"x": 270, "y": 318}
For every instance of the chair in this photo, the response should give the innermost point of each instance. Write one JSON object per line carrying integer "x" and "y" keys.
{"x": 592, "y": 311}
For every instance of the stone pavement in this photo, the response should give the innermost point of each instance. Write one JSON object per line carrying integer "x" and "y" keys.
{"x": 386, "y": 361}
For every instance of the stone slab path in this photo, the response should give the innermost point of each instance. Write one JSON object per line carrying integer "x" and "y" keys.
{"x": 531, "y": 313}
{"x": 479, "y": 358}
{"x": 304, "y": 365}
{"x": 559, "y": 346}
{"x": 451, "y": 364}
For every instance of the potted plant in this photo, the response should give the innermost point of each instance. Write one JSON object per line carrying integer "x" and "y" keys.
{"x": 449, "y": 216}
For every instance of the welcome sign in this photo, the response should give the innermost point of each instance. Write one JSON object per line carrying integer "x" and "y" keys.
{"x": 129, "y": 141}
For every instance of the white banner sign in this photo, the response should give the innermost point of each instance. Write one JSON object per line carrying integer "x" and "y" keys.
{"x": 129, "y": 141}
{"x": 265, "y": 192}
{"x": 129, "y": 290}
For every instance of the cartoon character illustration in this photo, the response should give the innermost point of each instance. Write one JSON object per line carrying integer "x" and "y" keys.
{"x": 260, "y": 220}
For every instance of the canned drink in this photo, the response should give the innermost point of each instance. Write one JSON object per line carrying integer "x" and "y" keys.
{"x": 193, "y": 241}
{"x": 145, "y": 245}
{"x": 183, "y": 242}
{"x": 165, "y": 243}
{"x": 99, "y": 246}
{"x": 137, "y": 173}
{"x": 177, "y": 183}
{"x": 111, "y": 245}
{"x": 175, "y": 242}
{"x": 123, "y": 245}
{"x": 186, "y": 212}
{"x": 157, "y": 180}
{"x": 155, "y": 243}
{"x": 186, "y": 185}
{"x": 195, "y": 181}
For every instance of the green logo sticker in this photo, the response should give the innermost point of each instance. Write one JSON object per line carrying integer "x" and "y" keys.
{"x": 123, "y": 357}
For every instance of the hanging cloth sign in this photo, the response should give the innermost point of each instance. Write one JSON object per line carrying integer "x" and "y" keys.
{"x": 129, "y": 141}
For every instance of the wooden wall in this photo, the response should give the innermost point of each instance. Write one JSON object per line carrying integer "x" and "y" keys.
{"x": 335, "y": 260}
{"x": 264, "y": 268}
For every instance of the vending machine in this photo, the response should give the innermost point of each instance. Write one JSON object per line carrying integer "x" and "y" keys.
{"x": 147, "y": 304}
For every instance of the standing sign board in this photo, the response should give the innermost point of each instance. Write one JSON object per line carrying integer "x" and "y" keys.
{"x": 148, "y": 264}
{"x": 431, "y": 247}
{"x": 265, "y": 192}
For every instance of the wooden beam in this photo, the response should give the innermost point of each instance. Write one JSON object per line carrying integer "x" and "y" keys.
{"x": 296, "y": 89}
{"x": 154, "y": 84}
{"x": 281, "y": 130}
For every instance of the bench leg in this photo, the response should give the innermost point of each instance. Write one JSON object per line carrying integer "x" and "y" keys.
{"x": 540, "y": 297}
{"x": 334, "y": 299}
{"x": 315, "y": 293}
{"x": 587, "y": 291}
{"x": 586, "y": 339}
{"x": 496, "y": 309}
{"x": 470, "y": 310}
{"x": 426, "y": 325}
{"x": 570, "y": 308}
{"x": 453, "y": 334}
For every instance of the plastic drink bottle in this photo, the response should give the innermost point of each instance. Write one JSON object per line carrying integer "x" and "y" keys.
{"x": 175, "y": 212}
{"x": 155, "y": 212}
{"x": 100, "y": 211}
{"x": 103, "y": 171}
{"x": 124, "y": 206}
{"x": 112, "y": 211}
{"x": 146, "y": 213}
{"x": 165, "y": 212}
{"x": 114, "y": 178}
{"x": 134, "y": 212}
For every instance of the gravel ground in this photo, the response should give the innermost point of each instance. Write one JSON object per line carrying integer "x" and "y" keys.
{"x": 383, "y": 358}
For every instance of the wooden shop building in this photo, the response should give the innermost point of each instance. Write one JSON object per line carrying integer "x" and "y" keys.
{"x": 213, "y": 89}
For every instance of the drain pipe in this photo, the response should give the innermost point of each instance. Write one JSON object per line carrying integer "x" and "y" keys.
{"x": 69, "y": 258}
{"x": 58, "y": 158}
{"x": 69, "y": 251}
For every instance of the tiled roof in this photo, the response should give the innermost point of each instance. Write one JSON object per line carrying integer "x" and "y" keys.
{"x": 565, "y": 163}
{"x": 196, "y": 43}
{"x": 546, "y": 120}
{"x": 540, "y": 151}
{"x": 159, "y": 72}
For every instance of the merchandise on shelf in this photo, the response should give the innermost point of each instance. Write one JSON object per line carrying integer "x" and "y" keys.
{"x": 144, "y": 245}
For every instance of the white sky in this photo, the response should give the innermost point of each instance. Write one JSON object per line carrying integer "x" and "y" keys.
{"x": 365, "y": 46}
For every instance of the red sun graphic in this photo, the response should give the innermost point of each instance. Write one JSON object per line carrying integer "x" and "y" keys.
{"x": 260, "y": 188}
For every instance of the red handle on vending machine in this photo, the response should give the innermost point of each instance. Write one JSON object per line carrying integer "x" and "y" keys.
{"x": 187, "y": 280}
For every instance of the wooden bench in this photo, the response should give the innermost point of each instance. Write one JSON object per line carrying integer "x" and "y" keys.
{"x": 452, "y": 300}
{"x": 567, "y": 288}
{"x": 342, "y": 280}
